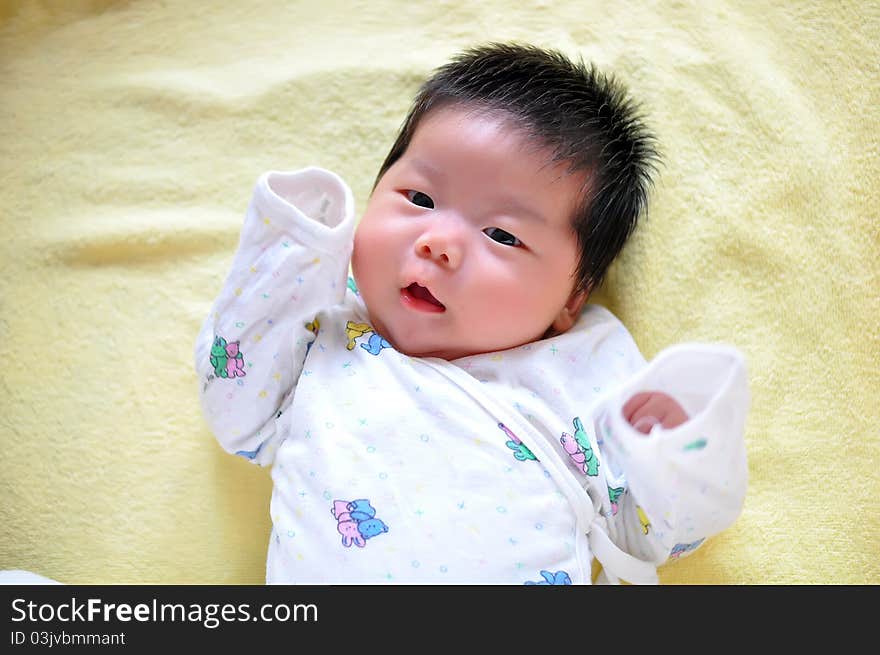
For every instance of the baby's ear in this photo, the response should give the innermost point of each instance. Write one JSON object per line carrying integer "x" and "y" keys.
{"x": 570, "y": 312}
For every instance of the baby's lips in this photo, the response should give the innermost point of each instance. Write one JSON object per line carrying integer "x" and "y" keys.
{"x": 423, "y": 293}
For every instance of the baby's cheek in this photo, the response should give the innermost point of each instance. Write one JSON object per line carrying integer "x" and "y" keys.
{"x": 364, "y": 262}
{"x": 514, "y": 318}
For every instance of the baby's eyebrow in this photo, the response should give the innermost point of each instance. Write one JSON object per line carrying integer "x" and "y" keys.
{"x": 427, "y": 169}
{"x": 505, "y": 203}
{"x": 516, "y": 208}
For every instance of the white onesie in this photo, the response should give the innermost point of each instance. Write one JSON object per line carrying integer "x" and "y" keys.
{"x": 512, "y": 467}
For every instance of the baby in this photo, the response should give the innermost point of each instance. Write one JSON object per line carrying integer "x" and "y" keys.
{"x": 456, "y": 412}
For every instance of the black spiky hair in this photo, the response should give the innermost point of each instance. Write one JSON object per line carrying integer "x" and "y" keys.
{"x": 584, "y": 116}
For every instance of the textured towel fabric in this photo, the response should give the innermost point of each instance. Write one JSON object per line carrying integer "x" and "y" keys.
{"x": 131, "y": 133}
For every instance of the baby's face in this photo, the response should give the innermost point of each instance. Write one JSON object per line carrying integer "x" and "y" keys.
{"x": 466, "y": 245}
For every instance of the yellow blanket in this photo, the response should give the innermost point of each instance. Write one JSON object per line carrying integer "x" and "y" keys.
{"x": 132, "y": 133}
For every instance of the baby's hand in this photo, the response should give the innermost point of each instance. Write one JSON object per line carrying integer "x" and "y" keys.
{"x": 645, "y": 409}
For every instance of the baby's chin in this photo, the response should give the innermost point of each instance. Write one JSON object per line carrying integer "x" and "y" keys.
{"x": 432, "y": 350}
{"x": 427, "y": 345}
{"x": 420, "y": 347}
{"x": 449, "y": 352}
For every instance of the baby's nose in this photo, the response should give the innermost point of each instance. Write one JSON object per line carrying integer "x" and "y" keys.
{"x": 442, "y": 247}
{"x": 425, "y": 249}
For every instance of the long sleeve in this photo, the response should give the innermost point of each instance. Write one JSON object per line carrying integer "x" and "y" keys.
{"x": 672, "y": 489}
{"x": 291, "y": 262}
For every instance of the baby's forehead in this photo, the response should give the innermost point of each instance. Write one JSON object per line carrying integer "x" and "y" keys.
{"x": 532, "y": 140}
{"x": 515, "y": 124}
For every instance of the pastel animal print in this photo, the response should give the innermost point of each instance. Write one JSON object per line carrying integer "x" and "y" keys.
{"x": 250, "y": 454}
{"x": 314, "y": 327}
{"x": 558, "y": 578}
{"x": 613, "y": 495}
{"x": 375, "y": 342}
{"x": 234, "y": 362}
{"x": 574, "y": 452}
{"x": 375, "y": 345}
{"x": 339, "y": 508}
{"x": 354, "y": 331}
{"x": 371, "y": 527}
{"x": 226, "y": 358}
{"x": 520, "y": 450}
{"x": 680, "y": 549}
{"x": 356, "y": 521}
{"x": 361, "y": 510}
{"x": 218, "y": 356}
{"x": 351, "y": 534}
{"x": 643, "y": 520}
{"x": 579, "y": 449}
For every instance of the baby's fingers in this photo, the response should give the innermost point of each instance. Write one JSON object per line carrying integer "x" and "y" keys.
{"x": 635, "y": 406}
{"x": 644, "y": 410}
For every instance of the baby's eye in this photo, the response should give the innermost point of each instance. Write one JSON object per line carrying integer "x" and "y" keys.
{"x": 502, "y": 237}
{"x": 420, "y": 199}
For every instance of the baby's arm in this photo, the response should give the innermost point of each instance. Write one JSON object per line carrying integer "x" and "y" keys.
{"x": 684, "y": 479}
{"x": 292, "y": 261}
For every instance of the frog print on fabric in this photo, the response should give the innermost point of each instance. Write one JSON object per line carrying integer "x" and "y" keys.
{"x": 226, "y": 358}
{"x": 520, "y": 450}
{"x": 613, "y": 495}
{"x": 578, "y": 448}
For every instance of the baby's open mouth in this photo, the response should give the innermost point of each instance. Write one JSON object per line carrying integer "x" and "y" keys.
{"x": 420, "y": 297}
